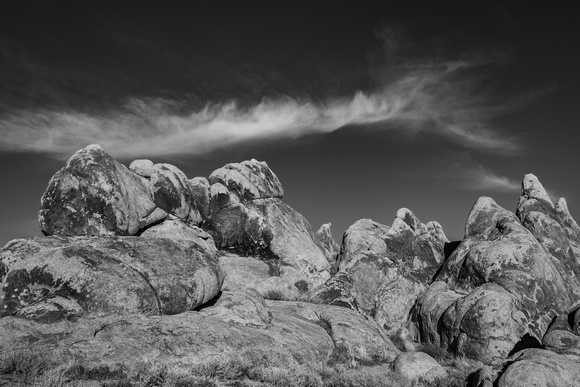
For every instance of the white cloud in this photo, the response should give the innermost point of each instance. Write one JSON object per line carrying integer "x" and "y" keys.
{"x": 439, "y": 95}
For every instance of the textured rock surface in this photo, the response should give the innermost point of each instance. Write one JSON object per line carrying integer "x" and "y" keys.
{"x": 248, "y": 218}
{"x": 177, "y": 230}
{"x": 249, "y": 180}
{"x": 485, "y": 325}
{"x": 94, "y": 195}
{"x": 562, "y": 337}
{"x": 498, "y": 249}
{"x": 418, "y": 365}
{"x": 171, "y": 191}
{"x": 251, "y": 273}
{"x": 142, "y": 167}
{"x": 246, "y": 308}
{"x": 554, "y": 228}
{"x": 336, "y": 291}
{"x": 200, "y": 195}
{"x": 364, "y": 339}
{"x": 540, "y": 368}
{"x": 387, "y": 267}
{"x": 50, "y": 278}
{"x": 429, "y": 311}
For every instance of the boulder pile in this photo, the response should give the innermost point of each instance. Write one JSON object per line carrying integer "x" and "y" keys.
{"x": 145, "y": 263}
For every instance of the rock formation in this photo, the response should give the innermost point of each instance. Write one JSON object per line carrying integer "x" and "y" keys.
{"x": 146, "y": 263}
{"x": 382, "y": 270}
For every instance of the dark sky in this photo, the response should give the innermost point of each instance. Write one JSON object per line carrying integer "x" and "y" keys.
{"x": 360, "y": 109}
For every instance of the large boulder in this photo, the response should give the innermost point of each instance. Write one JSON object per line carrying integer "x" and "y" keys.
{"x": 386, "y": 268}
{"x": 95, "y": 195}
{"x": 49, "y": 278}
{"x": 248, "y": 218}
{"x": 540, "y": 368}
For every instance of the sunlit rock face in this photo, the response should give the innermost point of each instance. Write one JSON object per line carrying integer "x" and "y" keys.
{"x": 95, "y": 195}
{"x": 382, "y": 270}
{"x": 248, "y": 217}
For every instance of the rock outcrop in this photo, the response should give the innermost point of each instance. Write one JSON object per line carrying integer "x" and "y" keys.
{"x": 499, "y": 259}
{"x": 382, "y": 270}
{"x": 145, "y": 263}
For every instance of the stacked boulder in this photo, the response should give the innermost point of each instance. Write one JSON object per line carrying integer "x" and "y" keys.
{"x": 248, "y": 218}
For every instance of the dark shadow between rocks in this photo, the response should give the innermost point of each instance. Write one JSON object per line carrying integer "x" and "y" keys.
{"x": 527, "y": 341}
{"x": 210, "y": 303}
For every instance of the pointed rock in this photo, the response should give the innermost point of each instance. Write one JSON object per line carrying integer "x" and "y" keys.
{"x": 554, "y": 228}
{"x": 331, "y": 248}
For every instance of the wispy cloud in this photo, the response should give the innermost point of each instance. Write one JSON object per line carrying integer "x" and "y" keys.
{"x": 440, "y": 95}
{"x": 466, "y": 173}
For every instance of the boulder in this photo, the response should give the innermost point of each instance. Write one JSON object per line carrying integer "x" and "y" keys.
{"x": 554, "y": 228}
{"x": 49, "y": 278}
{"x": 429, "y": 310}
{"x": 418, "y": 366}
{"x": 200, "y": 194}
{"x": 248, "y": 218}
{"x": 498, "y": 249}
{"x": 171, "y": 191}
{"x": 540, "y": 368}
{"x": 562, "y": 337}
{"x": 177, "y": 230}
{"x": 95, "y": 195}
{"x": 143, "y": 167}
{"x": 249, "y": 180}
{"x": 485, "y": 325}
